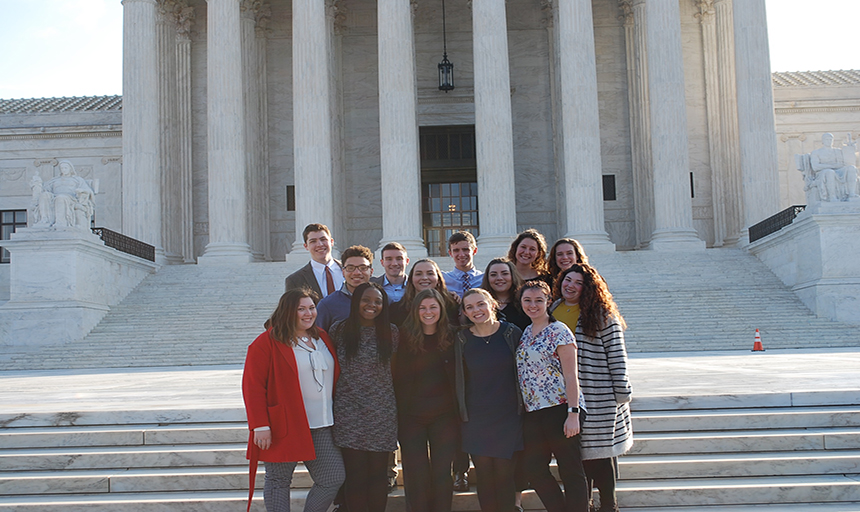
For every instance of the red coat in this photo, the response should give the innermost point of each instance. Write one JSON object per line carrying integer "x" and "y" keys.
{"x": 273, "y": 397}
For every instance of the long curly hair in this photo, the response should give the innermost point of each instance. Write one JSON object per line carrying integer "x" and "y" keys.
{"x": 412, "y": 332}
{"x": 539, "y": 263}
{"x": 349, "y": 331}
{"x": 284, "y": 319}
{"x": 554, "y": 269}
{"x": 596, "y": 305}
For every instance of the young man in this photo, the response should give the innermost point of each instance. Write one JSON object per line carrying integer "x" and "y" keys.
{"x": 357, "y": 269}
{"x": 323, "y": 273}
{"x": 462, "y": 249}
{"x": 393, "y": 281}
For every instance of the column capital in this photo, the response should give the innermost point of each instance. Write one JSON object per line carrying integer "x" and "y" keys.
{"x": 336, "y": 11}
{"x": 705, "y": 11}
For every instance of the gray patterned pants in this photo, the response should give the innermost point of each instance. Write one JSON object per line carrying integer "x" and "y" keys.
{"x": 326, "y": 471}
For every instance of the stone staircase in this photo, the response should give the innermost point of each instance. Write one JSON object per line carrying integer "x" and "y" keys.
{"x": 203, "y": 315}
{"x": 705, "y": 453}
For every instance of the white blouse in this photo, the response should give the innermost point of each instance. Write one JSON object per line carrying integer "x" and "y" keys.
{"x": 316, "y": 378}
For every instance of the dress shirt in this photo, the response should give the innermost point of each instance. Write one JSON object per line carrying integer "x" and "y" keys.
{"x": 456, "y": 278}
{"x": 395, "y": 291}
{"x": 319, "y": 273}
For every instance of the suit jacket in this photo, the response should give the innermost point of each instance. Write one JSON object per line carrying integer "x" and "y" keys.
{"x": 304, "y": 277}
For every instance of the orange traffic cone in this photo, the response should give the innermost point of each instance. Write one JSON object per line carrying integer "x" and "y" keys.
{"x": 757, "y": 346}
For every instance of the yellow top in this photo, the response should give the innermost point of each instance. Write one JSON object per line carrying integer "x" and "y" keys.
{"x": 567, "y": 314}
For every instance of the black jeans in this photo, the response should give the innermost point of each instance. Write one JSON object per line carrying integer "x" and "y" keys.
{"x": 366, "y": 486}
{"x": 427, "y": 480}
{"x": 543, "y": 431}
{"x": 601, "y": 474}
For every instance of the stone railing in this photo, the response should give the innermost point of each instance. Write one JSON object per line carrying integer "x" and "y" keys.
{"x": 126, "y": 244}
{"x": 774, "y": 223}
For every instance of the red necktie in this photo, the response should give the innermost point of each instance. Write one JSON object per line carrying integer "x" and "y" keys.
{"x": 329, "y": 281}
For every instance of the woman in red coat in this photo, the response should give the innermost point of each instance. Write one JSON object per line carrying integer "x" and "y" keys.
{"x": 288, "y": 384}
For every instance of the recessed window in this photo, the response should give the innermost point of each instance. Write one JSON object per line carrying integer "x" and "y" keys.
{"x": 692, "y": 186}
{"x": 10, "y": 221}
{"x": 291, "y": 198}
{"x": 609, "y": 187}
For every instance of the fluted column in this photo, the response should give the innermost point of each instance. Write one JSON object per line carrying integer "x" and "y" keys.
{"x": 583, "y": 182}
{"x": 633, "y": 12}
{"x": 493, "y": 130}
{"x": 228, "y": 238}
{"x": 264, "y": 15}
{"x": 732, "y": 179}
{"x": 707, "y": 19}
{"x": 400, "y": 164}
{"x": 141, "y": 182}
{"x": 312, "y": 143}
{"x": 252, "y": 126}
{"x": 170, "y": 208}
{"x": 184, "y": 18}
{"x": 757, "y": 132}
{"x": 673, "y": 210}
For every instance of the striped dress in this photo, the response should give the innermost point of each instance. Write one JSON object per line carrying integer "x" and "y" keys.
{"x": 602, "y": 360}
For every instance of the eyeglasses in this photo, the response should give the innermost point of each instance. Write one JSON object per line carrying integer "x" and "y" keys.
{"x": 352, "y": 268}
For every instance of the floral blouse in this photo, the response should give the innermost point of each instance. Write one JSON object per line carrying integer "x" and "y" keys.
{"x": 539, "y": 367}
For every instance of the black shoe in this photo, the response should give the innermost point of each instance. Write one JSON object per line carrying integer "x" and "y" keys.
{"x": 392, "y": 483}
{"x": 461, "y": 482}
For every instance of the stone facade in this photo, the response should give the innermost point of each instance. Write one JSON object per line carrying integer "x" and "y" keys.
{"x": 297, "y": 95}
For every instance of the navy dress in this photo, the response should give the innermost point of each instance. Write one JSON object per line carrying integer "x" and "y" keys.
{"x": 495, "y": 428}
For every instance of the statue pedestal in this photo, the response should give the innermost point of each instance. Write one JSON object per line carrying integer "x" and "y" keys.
{"x": 817, "y": 257}
{"x": 62, "y": 282}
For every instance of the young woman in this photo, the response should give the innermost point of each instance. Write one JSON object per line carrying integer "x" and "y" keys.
{"x": 564, "y": 253}
{"x": 489, "y": 399}
{"x": 547, "y": 368}
{"x": 528, "y": 254}
{"x": 502, "y": 281}
{"x": 587, "y": 307}
{"x": 365, "y": 411}
{"x": 426, "y": 404}
{"x": 424, "y": 275}
{"x": 289, "y": 376}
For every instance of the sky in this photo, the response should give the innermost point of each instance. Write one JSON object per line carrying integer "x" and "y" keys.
{"x": 53, "y": 48}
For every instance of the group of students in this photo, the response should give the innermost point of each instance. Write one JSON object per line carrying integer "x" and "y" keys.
{"x": 513, "y": 366}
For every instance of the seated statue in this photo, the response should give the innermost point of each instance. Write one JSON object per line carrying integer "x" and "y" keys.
{"x": 64, "y": 201}
{"x": 830, "y": 173}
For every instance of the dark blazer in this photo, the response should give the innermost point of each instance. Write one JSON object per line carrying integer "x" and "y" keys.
{"x": 304, "y": 277}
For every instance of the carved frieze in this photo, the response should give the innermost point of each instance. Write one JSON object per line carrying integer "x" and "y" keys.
{"x": 12, "y": 173}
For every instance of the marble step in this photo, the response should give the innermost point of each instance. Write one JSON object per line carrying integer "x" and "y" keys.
{"x": 745, "y": 419}
{"x": 24, "y": 459}
{"x": 123, "y": 435}
{"x": 775, "y": 440}
{"x": 746, "y": 491}
{"x": 649, "y": 467}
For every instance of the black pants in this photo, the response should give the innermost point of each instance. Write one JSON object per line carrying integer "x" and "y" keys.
{"x": 601, "y": 474}
{"x": 543, "y": 431}
{"x": 496, "y": 486}
{"x": 366, "y": 486}
{"x": 427, "y": 480}
{"x": 461, "y": 463}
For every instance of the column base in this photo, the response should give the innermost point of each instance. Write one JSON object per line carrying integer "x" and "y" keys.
{"x": 676, "y": 240}
{"x": 415, "y": 247}
{"x": 225, "y": 254}
{"x": 594, "y": 242}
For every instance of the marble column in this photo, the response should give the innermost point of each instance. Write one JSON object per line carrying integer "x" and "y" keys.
{"x": 673, "y": 211}
{"x": 264, "y": 15}
{"x": 580, "y": 119}
{"x": 170, "y": 212}
{"x": 141, "y": 179}
{"x": 184, "y": 19}
{"x": 252, "y": 126}
{"x": 228, "y": 237}
{"x": 493, "y": 130}
{"x": 633, "y": 13}
{"x": 312, "y": 143}
{"x": 707, "y": 20}
{"x": 757, "y": 133}
{"x": 732, "y": 179}
{"x": 400, "y": 164}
